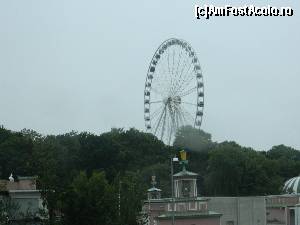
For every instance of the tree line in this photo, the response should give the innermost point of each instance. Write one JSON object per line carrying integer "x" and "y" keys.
{"x": 94, "y": 179}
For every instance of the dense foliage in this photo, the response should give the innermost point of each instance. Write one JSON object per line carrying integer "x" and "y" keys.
{"x": 102, "y": 179}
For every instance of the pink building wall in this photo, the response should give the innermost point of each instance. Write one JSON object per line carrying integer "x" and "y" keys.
{"x": 158, "y": 208}
{"x": 279, "y": 209}
{"x": 275, "y": 214}
{"x": 202, "y": 221}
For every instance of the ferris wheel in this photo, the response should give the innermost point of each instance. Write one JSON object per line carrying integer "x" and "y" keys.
{"x": 174, "y": 90}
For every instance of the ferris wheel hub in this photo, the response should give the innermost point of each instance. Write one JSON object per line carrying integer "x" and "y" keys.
{"x": 172, "y": 100}
{"x": 177, "y": 99}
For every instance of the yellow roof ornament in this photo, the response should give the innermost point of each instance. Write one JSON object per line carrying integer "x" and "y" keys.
{"x": 183, "y": 160}
{"x": 183, "y": 155}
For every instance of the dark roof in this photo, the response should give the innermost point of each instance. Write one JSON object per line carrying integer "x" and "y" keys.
{"x": 189, "y": 214}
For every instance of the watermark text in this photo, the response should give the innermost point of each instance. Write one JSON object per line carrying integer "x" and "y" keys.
{"x": 207, "y": 11}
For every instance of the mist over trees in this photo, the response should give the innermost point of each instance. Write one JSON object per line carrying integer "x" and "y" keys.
{"x": 193, "y": 139}
{"x": 82, "y": 175}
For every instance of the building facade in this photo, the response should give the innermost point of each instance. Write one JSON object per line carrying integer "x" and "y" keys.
{"x": 187, "y": 208}
{"x": 240, "y": 210}
{"x": 22, "y": 199}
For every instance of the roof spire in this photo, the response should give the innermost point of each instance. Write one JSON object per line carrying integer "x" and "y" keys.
{"x": 11, "y": 178}
{"x": 153, "y": 193}
{"x": 153, "y": 180}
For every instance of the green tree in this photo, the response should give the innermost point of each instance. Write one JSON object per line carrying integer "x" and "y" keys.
{"x": 8, "y": 209}
{"x": 15, "y": 153}
{"x": 90, "y": 200}
{"x": 225, "y": 170}
{"x": 162, "y": 173}
{"x": 53, "y": 162}
{"x": 132, "y": 192}
{"x": 288, "y": 160}
{"x": 234, "y": 170}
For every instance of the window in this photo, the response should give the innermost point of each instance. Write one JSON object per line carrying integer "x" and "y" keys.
{"x": 170, "y": 206}
{"x": 203, "y": 207}
{"x": 182, "y": 207}
{"x": 186, "y": 188}
{"x": 230, "y": 222}
{"x": 193, "y": 205}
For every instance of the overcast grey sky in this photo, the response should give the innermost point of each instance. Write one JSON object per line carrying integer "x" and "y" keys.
{"x": 81, "y": 65}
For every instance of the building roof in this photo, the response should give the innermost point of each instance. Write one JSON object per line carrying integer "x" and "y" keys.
{"x": 27, "y": 178}
{"x": 185, "y": 173}
{"x": 292, "y": 186}
{"x": 153, "y": 189}
{"x": 189, "y": 214}
{"x": 168, "y": 200}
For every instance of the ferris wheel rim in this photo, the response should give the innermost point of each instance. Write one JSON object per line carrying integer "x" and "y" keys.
{"x": 197, "y": 71}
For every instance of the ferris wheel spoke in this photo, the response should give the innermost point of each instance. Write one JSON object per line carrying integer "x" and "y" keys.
{"x": 170, "y": 135}
{"x": 165, "y": 88}
{"x": 179, "y": 62}
{"x": 169, "y": 61}
{"x": 172, "y": 126}
{"x": 184, "y": 65}
{"x": 178, "y": 120}
{"x": 163, "y": 125}
{"x": 188, "y": 103}
{"x": 171, "y": 123}
{"x": 185, "y": 118}
{"x": 189, "y": 68}
{"x": 173, "y": 62}
{"x": 155, "y": 125}
{"x": 182, "y": 80}
{"x": 184, "y": 85}
{"x": 180, "y": 117}
{"x": 187, "y": 71}
{"x": 188, "y": 114}
{"x": 159, "y": 89}
{"x": 157, "y": 75}
{"x": 187, "y": 74}
{"x": 174, "y": 121}
{"x": 159, "y": 120}
{"x": 171, "y": 73}
{"x": 164, "y": 72}
{"x": 156, "y": 112}
{"x": 188, "y": 92}
{"x": 180, "y": 75}
{"x": 154, "y": 102}
{"x": 157, "y": 92}
{"x": 185, "y": 81}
